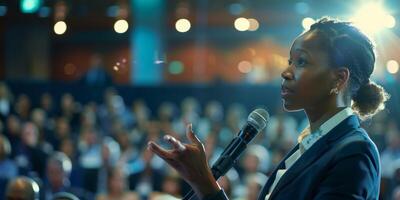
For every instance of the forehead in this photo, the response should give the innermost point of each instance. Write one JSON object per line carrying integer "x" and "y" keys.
{"x": 311, "y": 42}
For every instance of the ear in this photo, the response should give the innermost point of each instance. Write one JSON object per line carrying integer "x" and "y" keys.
{"x": 342, "y": 76}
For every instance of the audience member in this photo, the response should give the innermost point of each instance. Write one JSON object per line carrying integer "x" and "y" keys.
{"x": 57, "y": 178}
{"x": 22, "y": 188}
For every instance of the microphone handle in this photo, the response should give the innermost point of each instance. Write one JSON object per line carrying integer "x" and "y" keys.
{"x": 230, "y": 155}
{"x": 224, "y": 162}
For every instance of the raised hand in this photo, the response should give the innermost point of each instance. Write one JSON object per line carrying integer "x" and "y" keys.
{"x": 189, "y": 160}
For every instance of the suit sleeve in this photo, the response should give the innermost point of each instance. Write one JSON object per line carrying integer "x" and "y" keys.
{"x": 354, "y": 176}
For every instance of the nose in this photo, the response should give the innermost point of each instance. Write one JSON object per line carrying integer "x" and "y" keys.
{"x": 288, "y": 74}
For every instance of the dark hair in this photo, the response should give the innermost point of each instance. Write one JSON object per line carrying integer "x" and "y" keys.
{"x": 349, "y": 47}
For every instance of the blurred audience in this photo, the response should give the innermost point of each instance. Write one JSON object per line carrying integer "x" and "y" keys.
{"x": 117, "y": 188}
{"x": 6, "y": 99}
{"x": 97, "y": 149}
{"x": 8, "y": 168}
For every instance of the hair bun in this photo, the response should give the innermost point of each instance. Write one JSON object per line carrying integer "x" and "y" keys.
{"x": 369, "y": 99}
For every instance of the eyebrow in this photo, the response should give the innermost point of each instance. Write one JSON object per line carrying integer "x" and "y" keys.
{"x": 303, "y": 51}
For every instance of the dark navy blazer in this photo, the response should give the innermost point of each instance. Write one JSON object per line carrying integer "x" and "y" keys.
{"x": 343, "y": 164}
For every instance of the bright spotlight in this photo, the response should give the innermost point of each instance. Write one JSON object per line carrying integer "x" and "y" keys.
{"x": 392, "y": 66}
{"x": 372, "y": 18}
{"x": 182, "y": 25}
{"x": 121, "y": 26}
{"x": 242, "y": 24}
{"x": 253, "y": 24}
{"x": 390, "y": 21}
{"x": 60, "y": 27}
{"x": 245, "y": 67}
{"x": 307, "y": 22}
{"x": 30, "y": 6}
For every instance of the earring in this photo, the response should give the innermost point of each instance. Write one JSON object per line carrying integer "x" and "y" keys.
{"x": 334, "y": 91}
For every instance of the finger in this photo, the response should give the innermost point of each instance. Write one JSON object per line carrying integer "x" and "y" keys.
{"x": 155, "y": 148}
{"x": 176, "y": 143}
{"x": 191, "y": 136}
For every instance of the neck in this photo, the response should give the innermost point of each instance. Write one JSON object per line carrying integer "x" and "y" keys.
{"x": 329, "y": 107}
{"x": 318, "y": 117}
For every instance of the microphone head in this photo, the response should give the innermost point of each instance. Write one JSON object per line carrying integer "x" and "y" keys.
{"x": 258, "y": 118}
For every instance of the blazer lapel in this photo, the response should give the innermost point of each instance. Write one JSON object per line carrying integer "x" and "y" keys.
{"x": 315, "y": 151}
{"x": 271, "y": 179}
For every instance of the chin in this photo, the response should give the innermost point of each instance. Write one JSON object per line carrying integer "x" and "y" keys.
{"x": 290, "y": 107}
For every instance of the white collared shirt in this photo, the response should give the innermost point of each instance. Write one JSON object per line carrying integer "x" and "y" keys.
{"x": 308, "y": 141}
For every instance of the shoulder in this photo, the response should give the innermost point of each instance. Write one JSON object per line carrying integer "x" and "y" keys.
{"x": 357, "y": 142}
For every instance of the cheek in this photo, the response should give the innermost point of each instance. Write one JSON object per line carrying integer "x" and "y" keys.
{"x": 313, "y": 86}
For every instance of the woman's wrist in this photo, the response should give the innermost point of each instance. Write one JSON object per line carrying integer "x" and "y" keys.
{"x": 205, "y": 186}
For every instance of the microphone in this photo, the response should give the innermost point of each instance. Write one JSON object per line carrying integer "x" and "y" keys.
{"x": 256, "y": 121}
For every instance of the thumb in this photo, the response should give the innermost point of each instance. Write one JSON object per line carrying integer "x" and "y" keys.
{"x": 191, "y": 136}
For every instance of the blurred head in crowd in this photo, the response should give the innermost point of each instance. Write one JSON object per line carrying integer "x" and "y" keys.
{"x": 5, "y": 92}
{"x": 5, "y": 148}
{"x": 58, "y": 170}
{"x": 13, "y": 125}
{"x": 38, "y": 117}
{"x": 153, "y": 130}
{"x": 256, "y": 159}
{"x": 30, "y": 134}
{"x": 393, "y": 135}
{"x": 108, "y": 94}
{"x": 68, "y": 148}
{"x": 89, "y": 136}
{"x": 62, "y": 129}
{"x": 214, "y": 111}
{"x": 254, "y": 184}
{"x": 67, "y": 104}
{"x": 46, "y": 102}
{"x": 23, "y": 106}
{"x": 88, "y": 117}
{"x": 123, "y": 140}
{"x": 166, "y": 112}
{"x": 171, "y": 185}
{"x": 396, "y": 193}
{"x": 22, "y": 188}
{"x": 116, "y": 106}
{"x": 141, "y": 112}
{"x": 117, "y": 183}
{"x": 110, "y": 152}
{"x": 235, "y": 116}
{"x": 190, "y": 109}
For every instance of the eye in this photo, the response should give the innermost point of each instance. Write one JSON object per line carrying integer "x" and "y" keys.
{"x": 301, "y": 62}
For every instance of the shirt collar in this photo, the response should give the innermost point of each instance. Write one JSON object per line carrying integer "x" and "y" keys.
{"x": 310, "y": 138}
